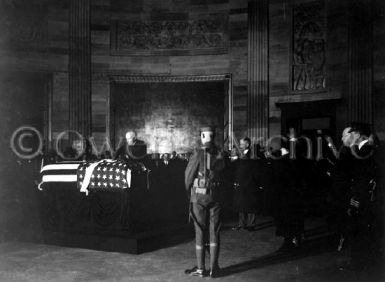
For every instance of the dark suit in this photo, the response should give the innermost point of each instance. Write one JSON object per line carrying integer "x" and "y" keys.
{"x": 339, "y": 194}
{"x": 363, "y": 172}
{"x": 288, "y": 198}
{"x": 138, "y": 150}
{"x": 205, "y": 206}
{"x": 364, "y": 242}
{"x": 246, "y": 184}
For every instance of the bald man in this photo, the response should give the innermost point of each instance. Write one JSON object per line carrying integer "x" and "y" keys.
{"x": 132, "y": 148}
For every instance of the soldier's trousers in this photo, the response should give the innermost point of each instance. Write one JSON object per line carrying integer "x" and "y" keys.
{"x": 206, "y": 220}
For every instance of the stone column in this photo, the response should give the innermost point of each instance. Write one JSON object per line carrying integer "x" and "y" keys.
{"x": 79, "y": 68}
{"x": 360, "y": 108}
{"x": 258, "y": 70}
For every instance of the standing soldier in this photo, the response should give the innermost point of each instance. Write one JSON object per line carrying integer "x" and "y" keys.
{"x": 203, "y": 184}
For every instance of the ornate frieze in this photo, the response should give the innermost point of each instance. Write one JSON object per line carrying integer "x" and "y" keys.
{"x": 309, "y": 46}
{"x": 205, "y": 35}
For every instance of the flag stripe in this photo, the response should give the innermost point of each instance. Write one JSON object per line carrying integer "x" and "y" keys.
{"x": 64, "y": 172}
{"x": 59, "y": 178}
{"x": 60, "y": 167}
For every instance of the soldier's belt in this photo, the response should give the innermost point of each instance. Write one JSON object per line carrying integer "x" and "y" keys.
{"x": 204, "y": 187}
{"x": 200, "y": 186}
{"x": 200, "y": 183}
{"x": 203, "y": 191}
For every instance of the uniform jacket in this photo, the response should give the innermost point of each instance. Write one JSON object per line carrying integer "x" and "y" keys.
{"x": 195, "y": 168}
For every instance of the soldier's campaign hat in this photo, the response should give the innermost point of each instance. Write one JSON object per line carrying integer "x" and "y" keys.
{"x": 207, "y": 129}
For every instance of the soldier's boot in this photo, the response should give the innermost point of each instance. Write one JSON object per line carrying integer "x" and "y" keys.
{"x": 200, "y": 269}
{"x": 214, "y": 265}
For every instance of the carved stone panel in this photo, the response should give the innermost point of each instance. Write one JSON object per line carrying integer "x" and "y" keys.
{"x": 23, "y": 25}
{"x": 204, "y": 35}
{"x": 309, "y": 46}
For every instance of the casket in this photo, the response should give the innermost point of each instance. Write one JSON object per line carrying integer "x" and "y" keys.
{"x": 104, "y": 204}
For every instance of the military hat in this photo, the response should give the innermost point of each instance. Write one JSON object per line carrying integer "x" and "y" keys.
{"x": 208, "y": 129}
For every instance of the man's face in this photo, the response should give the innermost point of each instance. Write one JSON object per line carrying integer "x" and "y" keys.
{"x": 244, "y": 145}
{"x": 77, "y": 145}
{"x": 166, "y": 156}
{"x": 130, "y": 136}
{"x": 206, "y": 137}
{"x": 346, "y": 137}
{"x": 349, "y": 138}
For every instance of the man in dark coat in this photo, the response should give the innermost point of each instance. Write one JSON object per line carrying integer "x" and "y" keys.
{"x": 246, "y": 183}
{"x": 203, "y": 185}
{"x": 341, "y": 184}
{"x": 288, "y": 198}
{"x": 360, "y": 210}
{"x": 354, "y": 180}
{"x": 132, "y": 148}
{"x": 363, "y": 175}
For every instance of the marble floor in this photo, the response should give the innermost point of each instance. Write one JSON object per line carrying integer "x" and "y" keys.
{"x": 245, "y": 256}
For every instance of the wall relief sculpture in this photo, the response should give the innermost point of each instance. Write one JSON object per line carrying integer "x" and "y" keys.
{"x": 23, "y": 25}
{"x": 205, "y": 35}
{"x": 309, "y": 47}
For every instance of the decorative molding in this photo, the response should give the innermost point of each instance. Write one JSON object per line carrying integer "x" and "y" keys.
{"x": 308, "y": 97}
{"x": 205, "y": 35}
{"x": 309, "y": 46}
{"x": 168, "y": 78}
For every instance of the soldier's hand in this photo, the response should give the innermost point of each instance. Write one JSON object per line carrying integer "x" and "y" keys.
{"x": 349, "y": 212}
{"x": 354, "y": 203}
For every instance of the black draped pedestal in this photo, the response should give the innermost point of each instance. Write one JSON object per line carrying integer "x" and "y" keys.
{"x": 152, "y": 213}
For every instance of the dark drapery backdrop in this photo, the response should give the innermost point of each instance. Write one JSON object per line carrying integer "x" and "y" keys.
{"x": 168, "y": 116}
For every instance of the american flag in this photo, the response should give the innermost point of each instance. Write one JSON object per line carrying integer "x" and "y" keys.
{"x": 104, "y": 174}
{"x": 60, "y": 172}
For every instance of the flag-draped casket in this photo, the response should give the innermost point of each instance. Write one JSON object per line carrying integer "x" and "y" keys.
{"x": 105, "y": 174}
{"x": 83, "y": 195}
{"x": 112, "y": 205}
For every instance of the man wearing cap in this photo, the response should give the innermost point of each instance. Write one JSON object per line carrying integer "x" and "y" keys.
{"x": 203, "y": 185}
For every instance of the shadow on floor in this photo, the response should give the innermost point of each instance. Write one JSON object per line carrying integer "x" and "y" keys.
{"x": 323, "y": 243}
{"x": 259, "y": 226}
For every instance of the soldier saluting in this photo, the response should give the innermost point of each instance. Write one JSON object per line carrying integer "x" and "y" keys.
{"x": 202, "y": 183}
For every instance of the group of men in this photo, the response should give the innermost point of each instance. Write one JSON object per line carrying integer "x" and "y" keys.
{"x": 352, "y": 175}
{"x": 353, "y": 182}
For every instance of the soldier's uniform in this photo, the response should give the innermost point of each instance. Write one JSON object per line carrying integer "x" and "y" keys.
{"x": 203, "y": 185}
